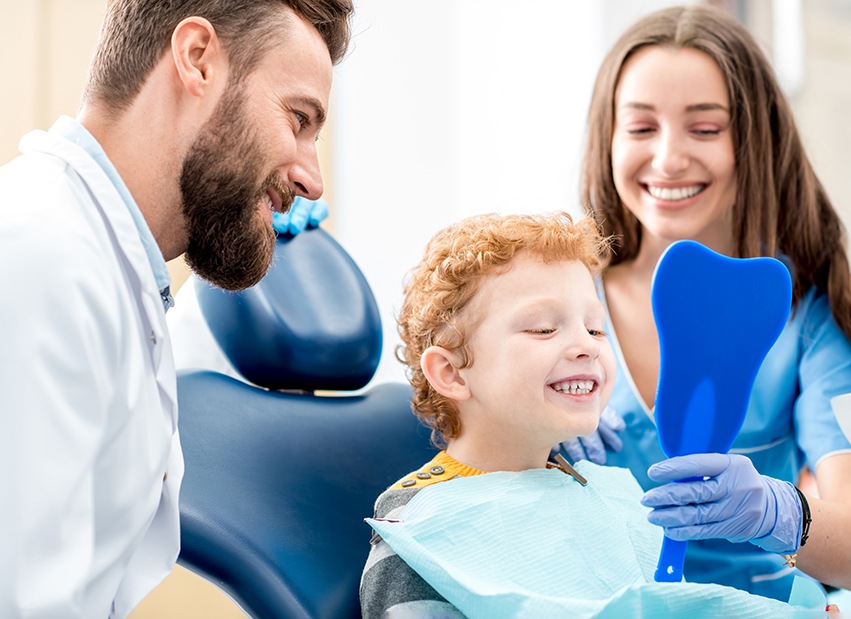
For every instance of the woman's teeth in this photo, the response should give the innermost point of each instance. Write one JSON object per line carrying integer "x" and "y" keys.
{"x": 673, "y": 194}
{"x": 575, "y": 387}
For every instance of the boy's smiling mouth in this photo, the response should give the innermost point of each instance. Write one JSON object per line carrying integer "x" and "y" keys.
{"x": 575, "y": 387}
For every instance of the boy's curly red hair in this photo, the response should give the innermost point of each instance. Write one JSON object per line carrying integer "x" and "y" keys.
{"x": 454, "y": 263}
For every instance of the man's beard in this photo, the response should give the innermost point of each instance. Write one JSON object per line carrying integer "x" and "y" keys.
{"x": 230, "y": 244}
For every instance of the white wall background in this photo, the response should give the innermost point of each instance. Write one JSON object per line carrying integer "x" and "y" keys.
{"x": 443, "y": 109}
{"x": 451, "y": 108}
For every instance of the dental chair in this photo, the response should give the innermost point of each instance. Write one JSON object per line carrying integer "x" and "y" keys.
{"x": 282, "y": 468}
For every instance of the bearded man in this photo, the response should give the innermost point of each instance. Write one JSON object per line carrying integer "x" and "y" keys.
{"x": 198, "y": 122}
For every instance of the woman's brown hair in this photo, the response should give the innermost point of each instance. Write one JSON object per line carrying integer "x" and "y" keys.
{"x": 781, "y": 207}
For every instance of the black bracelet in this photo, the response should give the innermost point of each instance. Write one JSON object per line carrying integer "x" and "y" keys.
{"x": 807, "y": 517}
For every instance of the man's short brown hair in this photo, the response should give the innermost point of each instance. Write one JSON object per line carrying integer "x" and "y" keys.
{"x": 136, "y": 33}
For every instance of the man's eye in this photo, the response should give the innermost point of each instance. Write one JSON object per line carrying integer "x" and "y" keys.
{"x": 302, "y": 119}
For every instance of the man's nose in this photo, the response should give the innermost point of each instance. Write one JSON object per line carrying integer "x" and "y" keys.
{"x": 305, "y": 176}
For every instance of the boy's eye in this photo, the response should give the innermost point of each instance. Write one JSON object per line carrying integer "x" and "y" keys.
{"x": 541, "y": 331}
{"x": 597, "y": 332}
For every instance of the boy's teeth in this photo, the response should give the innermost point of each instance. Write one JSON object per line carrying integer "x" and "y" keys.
{"x": 575, "y": 387}
{"x": 674, "y": 193}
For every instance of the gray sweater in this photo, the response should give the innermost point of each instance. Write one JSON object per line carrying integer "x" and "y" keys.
{"x": 389, "y": 587}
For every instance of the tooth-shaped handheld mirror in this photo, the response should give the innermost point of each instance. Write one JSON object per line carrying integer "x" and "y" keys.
{"x": 717, "y": 318}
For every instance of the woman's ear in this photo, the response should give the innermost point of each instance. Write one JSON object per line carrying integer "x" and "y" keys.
{"x": 197, "y": 55}
{"x": 440, "y": 367}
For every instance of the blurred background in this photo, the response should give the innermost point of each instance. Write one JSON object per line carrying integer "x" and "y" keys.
{"x": 442, "y": 110}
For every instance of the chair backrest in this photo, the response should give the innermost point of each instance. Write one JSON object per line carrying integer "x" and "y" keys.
{"x": 277, "y": 483}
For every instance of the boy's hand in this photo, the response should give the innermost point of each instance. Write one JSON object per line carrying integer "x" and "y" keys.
{"x": 303, "y": 213}
{"x": 593, "y": 446}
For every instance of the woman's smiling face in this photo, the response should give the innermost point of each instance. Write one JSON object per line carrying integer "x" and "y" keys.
{"x": 673, "y": 160}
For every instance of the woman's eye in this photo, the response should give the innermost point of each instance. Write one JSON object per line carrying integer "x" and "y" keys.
{"x": 706, "y": 132}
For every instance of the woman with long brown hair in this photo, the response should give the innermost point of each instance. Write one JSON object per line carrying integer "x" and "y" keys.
{"x": 690, "y": 137}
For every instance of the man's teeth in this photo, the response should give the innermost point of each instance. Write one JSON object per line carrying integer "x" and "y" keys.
{"x": 674, "y": 193}
{"x": 575, "y": 387}
{"x": 268, "y": 202}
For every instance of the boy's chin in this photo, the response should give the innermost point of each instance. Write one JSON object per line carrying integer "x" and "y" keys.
{"x": 584, "y": 429}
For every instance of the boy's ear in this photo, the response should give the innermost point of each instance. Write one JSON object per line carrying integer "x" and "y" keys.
{"x": 440, "y": 367}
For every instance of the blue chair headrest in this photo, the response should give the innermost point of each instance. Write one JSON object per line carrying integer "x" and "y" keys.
{"x": 310, "y": 324}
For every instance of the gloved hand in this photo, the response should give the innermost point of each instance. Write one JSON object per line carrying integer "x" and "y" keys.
{"x": 302, "y": 214}
{"x": 593, "y": 446}
{"x": 732, "y": 501}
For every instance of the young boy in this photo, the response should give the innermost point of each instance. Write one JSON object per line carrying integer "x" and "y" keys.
{"x": 503, "y": 336}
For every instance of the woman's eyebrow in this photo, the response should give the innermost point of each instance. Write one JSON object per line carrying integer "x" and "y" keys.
{"x": 704, "y": 107}
{"x": 695, "y": 107}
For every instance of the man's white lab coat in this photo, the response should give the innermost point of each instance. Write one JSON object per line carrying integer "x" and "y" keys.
{"x": 90, "y": 459}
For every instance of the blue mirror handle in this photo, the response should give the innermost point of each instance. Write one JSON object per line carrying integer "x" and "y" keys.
{"x": 671, "y": 559}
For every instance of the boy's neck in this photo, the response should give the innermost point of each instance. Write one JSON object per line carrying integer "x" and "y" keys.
{"x": 493, "y": 457}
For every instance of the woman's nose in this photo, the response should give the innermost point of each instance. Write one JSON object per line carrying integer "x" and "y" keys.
{"x": 669, "y": 156}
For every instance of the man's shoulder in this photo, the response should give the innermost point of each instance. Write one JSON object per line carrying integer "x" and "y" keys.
{"x": 44, "y": 193}
{"x": 17, "y": 171}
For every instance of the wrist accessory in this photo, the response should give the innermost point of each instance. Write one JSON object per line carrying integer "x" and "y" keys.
{"x": 792, "y": 560}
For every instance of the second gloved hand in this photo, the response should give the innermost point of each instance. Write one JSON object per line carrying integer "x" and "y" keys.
{"x": 303, "y": 213}
{"x": 731, "y": 501}
{"x": 593, "y": 446}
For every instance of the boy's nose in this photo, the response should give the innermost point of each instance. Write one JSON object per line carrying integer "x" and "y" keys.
{"x": 584, "y": 346}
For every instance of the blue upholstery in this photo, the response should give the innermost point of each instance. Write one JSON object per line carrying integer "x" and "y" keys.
{"x": 277, "y": 483}
{"x": 311, "y": 323}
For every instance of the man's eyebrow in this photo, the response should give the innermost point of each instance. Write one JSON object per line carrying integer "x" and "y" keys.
{"x": 318, "y": 110}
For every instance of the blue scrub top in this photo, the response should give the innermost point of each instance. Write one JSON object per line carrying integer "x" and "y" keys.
{"x": 789, "y": 422}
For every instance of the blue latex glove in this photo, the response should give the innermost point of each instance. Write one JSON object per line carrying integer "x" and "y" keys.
{"x": 302, "y": 214}
{"x": 731, "y": 501}
{"x": 593, "y": 446}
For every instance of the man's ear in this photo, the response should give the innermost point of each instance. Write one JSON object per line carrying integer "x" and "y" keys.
{"x": 197, "y": 55}
{"x": 440, "y": 367}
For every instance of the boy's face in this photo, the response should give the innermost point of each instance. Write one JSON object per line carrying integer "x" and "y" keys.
{"x": 542, "y": 368}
